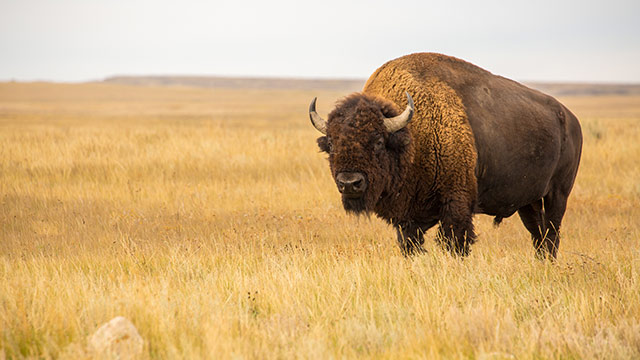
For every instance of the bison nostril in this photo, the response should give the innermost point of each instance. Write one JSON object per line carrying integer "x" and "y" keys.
{"x": 352, "y": 183}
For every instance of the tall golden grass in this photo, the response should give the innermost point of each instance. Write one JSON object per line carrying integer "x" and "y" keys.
{"x": 210, "y": 220}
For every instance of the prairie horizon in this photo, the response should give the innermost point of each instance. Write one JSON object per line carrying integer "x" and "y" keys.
{"x": 554, "y": 88}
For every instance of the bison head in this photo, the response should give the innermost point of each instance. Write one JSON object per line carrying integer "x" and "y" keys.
{"x": 367, "y": 142}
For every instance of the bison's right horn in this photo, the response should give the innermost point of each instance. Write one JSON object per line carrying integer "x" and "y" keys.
{"x": 318, "y": 122}
{"x": 398, "y": 122}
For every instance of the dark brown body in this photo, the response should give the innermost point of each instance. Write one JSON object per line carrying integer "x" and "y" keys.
{"x": 477, "y": 143}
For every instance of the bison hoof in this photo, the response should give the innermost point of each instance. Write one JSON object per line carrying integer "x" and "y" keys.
{"x": 412, "y": 251}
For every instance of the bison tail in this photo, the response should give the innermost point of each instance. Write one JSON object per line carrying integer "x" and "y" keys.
{"x": 497, "y": 220}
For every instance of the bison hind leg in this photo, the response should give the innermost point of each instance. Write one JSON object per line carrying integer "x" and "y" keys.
{"x": 555, "y": 204}
{"x": 543, "y": 219}
{"x": 537, "y": 223}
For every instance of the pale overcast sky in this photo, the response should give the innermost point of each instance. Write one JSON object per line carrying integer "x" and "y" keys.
{"x": 541, "y": 40}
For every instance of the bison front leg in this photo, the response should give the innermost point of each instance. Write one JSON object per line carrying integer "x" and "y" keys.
{"x": 455, "y": 233}
{"x": 410, "y": 238}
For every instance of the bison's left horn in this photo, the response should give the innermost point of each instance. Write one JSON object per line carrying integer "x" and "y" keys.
{"x": 318, "y": 122}
{"x": 398, "y": 122}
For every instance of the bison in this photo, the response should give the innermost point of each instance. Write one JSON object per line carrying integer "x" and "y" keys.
{"x": 473, "y": 142}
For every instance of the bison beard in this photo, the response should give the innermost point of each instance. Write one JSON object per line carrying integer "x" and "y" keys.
{"x": 478, "y": 143}
{"x": 355, "y": 206}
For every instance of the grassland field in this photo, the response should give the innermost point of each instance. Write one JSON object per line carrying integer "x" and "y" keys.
{"x": 210, "y": 220}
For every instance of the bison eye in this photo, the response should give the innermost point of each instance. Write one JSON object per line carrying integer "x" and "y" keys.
{"x": 379, "y": 145}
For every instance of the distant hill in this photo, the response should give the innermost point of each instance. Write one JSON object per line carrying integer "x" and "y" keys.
{"x": 348, "y": 85}
{"x": 569, "y": 89}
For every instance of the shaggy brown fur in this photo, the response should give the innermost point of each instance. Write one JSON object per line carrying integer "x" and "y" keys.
{"x": 477, "y": 143}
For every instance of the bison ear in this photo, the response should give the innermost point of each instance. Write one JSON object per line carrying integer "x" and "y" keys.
{"x": 323, "y": 144}
{"x": 399, "y": 140}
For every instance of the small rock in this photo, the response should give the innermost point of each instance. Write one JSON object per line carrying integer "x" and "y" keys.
{"x": 118, "y": 338}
